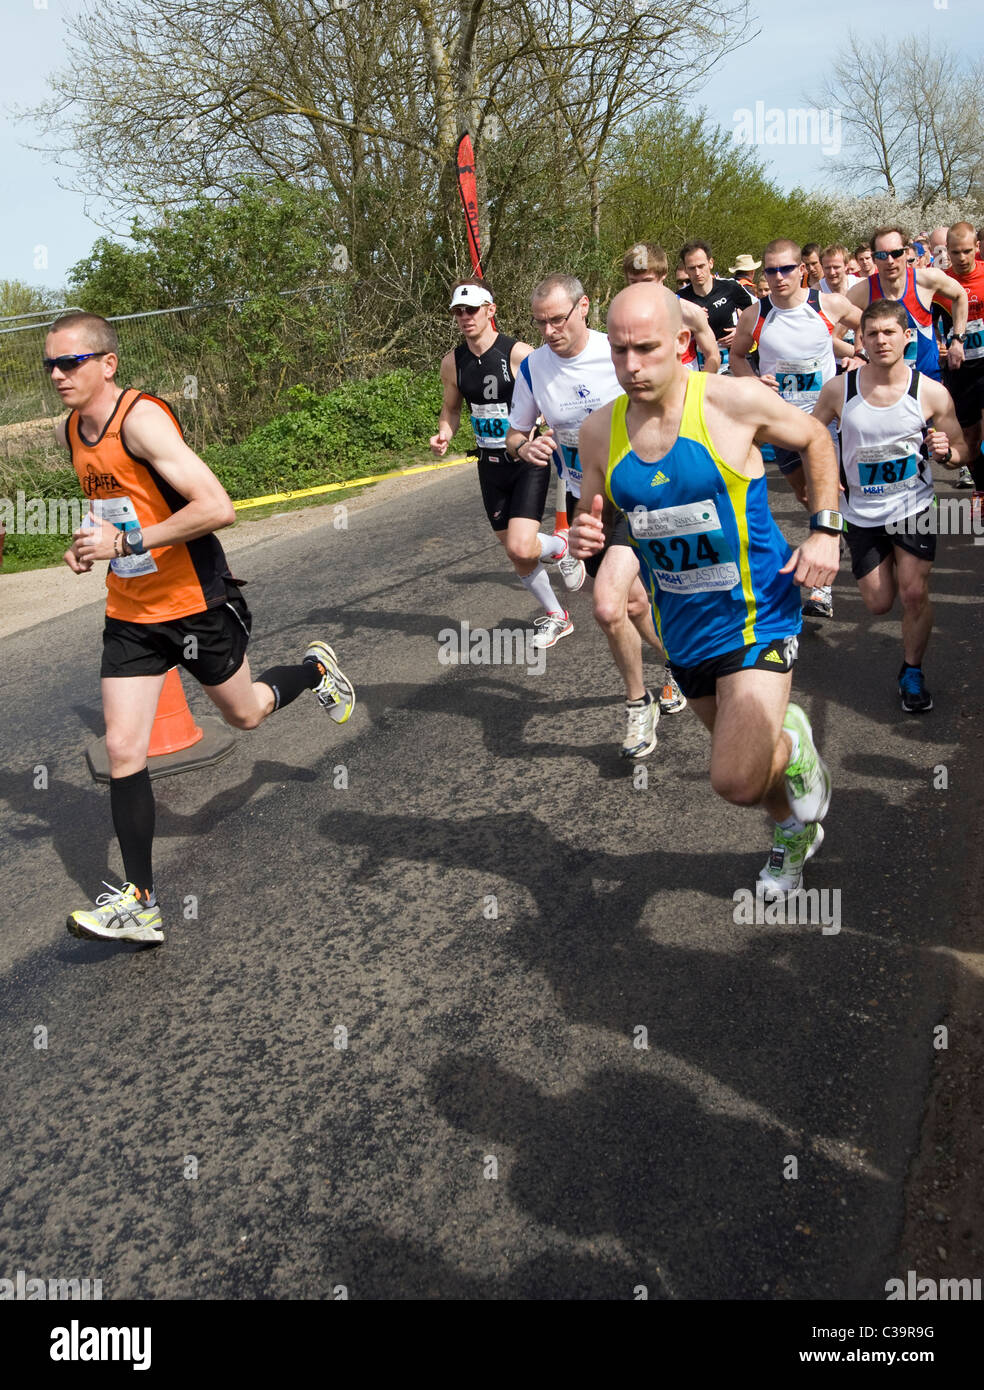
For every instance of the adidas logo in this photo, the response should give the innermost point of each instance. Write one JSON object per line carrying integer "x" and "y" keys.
{"x": 659, "y": 478}
{"x": 774, "y": 657}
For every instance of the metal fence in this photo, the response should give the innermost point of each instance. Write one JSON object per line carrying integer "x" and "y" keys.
{"x": 190, "y": 356}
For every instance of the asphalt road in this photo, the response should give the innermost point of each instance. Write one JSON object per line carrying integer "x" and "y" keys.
{"x": 490, "y": 910}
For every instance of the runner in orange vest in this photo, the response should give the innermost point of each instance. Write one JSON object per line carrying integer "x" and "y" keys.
{"x": 171, "y": 599}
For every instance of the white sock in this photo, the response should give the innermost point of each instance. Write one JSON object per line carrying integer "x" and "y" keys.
{"x": 538, "y": 583}
{"x": 793, "y": 825}
{"x": 552, "y": 547}
{"x": 794, "y": 740}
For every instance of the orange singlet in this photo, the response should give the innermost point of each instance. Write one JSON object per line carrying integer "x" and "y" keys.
{"x": 160, "y": 585}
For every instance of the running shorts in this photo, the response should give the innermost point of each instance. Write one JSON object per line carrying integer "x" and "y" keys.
{"x": 513, "y": 488}
{"x": 211, "y": 646}
{"x": 619, "y": 535}
{"x": 697, "y": 681}
{"x": 870, "y": 545}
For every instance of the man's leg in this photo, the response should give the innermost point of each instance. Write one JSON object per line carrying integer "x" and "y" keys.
{"x": 820, "y": 601}
{"x": 917, "y": 624}
{"x": 617, "y": 575}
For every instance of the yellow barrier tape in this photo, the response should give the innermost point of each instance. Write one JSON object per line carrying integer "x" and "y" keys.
{"x": 352, "y": 482}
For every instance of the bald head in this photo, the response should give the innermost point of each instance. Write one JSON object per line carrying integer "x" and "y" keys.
{"x": 645, "y": 308}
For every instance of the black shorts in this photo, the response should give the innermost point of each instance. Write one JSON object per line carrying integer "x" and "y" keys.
{"x": 619, "y": 535}
{"x": 966, "y": 386}
{"x": 512, "y": 488}
{"x": 778, "y": 656}
{"x": 870, "y": 545}
{"x": 210, "y": 645}
{"x": 788, "y": 460}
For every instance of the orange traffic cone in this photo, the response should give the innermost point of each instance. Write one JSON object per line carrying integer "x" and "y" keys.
{"x": 175, "y": 732}
{"x": 174, "y": 727}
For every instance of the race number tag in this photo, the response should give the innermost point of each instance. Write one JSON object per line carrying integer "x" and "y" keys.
{"x": 974, "y": 341}
{"x": 800, "y": 382}
{"x": 685, "y": 547}
{"x": 490, "y": 423}
{"x": 567, "y": 439}
{"x": 121, "y": 512}
{"x": 884, "y": 469}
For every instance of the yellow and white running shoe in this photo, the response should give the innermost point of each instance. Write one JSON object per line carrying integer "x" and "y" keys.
{"x": 336, "y": 692}
{"x": 119, "y": 915}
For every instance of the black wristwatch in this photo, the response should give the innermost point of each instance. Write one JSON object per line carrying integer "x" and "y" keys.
{"x": 958, "y": 337}
{"x": 831, "y": 522}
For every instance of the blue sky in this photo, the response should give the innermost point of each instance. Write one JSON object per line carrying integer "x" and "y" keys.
{"x": 792, "y": 51}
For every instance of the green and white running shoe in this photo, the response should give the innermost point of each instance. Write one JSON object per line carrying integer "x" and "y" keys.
{"x": 119, "y": 915}
{"x": 807, "y": 778}
{"x": 790, "y": 850}
{"x": 335, "y": 691}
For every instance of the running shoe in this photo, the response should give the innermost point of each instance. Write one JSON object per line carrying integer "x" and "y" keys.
{"x": 572, "y": 572}
{"x": 671, "y": 698}
{"x": 641, "y": 718}
{"x": 807, "y": 778}
{"x": 820, "y": 604}
{"x": 551, "y": 628}
{"x": 964, "y": 478}
{"x": 335, "y": 690}
{"x": 916, "y": 699}
{"x": 790, "y": 850}
{"x": 119, "y": 915}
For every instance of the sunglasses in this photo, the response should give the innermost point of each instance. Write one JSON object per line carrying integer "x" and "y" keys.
{"x": 780, "y": 269}
{"x": 69, "y": 362}
{"x": 884, "y": 255}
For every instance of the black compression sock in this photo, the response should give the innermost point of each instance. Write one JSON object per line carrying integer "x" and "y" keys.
{"x": 131, "y": 801}
{"x": 287, "y": 682}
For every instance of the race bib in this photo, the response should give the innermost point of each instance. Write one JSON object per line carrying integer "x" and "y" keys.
{"x": 686, "y": 548}
{"x": 886, "y": 469}
{"x": 974, "y": 341}
{"x": 567, "y": 439}
{"x": 121, "y": 512}
{"x": 490, "y": 423}
{"x": 800, "y": 382}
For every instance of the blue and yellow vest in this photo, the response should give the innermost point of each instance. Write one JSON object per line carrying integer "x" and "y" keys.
{"x": 709, "y": 549}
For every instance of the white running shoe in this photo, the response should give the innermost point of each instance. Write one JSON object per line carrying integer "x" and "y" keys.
{"x": 119, "y": 915}
{"x": 334, "y": 691}
{"x": 572, "y": 571}
{"x": 790, "y": 850}
{"x": 551, "y": 628}
{"x": 641, "y": 718}
{"x": 671, "y": 698}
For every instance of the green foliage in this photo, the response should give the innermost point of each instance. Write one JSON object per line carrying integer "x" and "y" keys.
{"x": 332, "y": 438}
{"x": 34, "y": 478}
{"x": 115, "y": 279}
{"x": 16, "y": 298}
{"x": 674, "y": 179}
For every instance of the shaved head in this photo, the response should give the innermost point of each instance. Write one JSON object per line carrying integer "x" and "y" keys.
{"x": 647, "y": 301}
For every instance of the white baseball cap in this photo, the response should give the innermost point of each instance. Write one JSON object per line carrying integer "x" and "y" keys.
{"x": 471, "y": 296}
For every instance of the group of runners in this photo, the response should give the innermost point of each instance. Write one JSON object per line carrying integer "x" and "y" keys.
{"x": 659, "y": 429}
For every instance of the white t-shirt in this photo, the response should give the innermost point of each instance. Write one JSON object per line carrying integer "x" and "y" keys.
{"x": 564, "y": 390}
{"x": 849, "y": 280}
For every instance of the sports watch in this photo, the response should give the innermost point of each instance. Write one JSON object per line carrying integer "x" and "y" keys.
{"x": 958, "y": 337}
{"x": 134, "y": 542}
{"x": 831, "y": 522}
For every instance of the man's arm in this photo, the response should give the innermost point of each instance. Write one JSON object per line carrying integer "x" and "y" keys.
{"x": 938, "y": 282}
{"x": 450, "y": 416}
{"x": 523, "y": 415}
{"x": 946, "y": 434}
{"x": 828, "y": 406}
{"x": 696, "y": 320}
{"x": 742, "y": 345}
{"x": 150, "y": 434}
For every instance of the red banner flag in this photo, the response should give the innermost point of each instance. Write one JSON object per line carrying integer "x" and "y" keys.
{"x": 468, "y": 189}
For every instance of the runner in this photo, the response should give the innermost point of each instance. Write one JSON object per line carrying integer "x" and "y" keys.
{"x": 565, "y": 379}
{"x": 647, "y": 263}
{"x": 171, "y": 599}
{"x": 794, "y": 330}
{"x": 482, "y": 370}
{"x": 678, "y": 456}
{"x": 721, "y": 300}
{"x": 836, "y": 277}
{"x": 865, "y": 260}
{"x": 966, "y": 382}
{"x": 937, "y": 247}
{"x": 892, "y": 423}
{"x": 914, "y": 288}
{"x": 812, "y": 265}
{"x": 743, "y": 271}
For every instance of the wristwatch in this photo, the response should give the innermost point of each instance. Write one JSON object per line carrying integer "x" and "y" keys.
{"x": 134, "y": 542}
{"x": 958, "y": 337}
{"x": 831, "y": 522}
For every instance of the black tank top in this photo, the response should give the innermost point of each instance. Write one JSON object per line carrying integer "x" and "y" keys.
{"x": 487, "y": 383}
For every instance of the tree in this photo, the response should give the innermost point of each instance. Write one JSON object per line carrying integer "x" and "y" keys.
{"x": 18, "y": 298}
{"x": 914, "y": 114}
{"x": 365, "y": 100}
